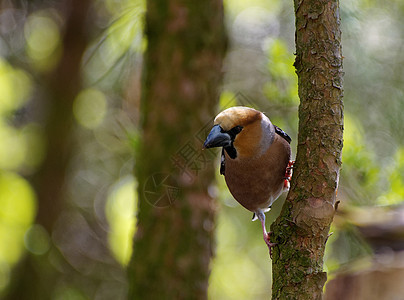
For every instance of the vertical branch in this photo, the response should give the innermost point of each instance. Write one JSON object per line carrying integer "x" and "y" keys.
{"x": 63, "y": 84}
{"x": 302, "y": 228}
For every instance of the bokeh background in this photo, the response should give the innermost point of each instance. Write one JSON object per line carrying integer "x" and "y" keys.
{"x": 90, "y": 243}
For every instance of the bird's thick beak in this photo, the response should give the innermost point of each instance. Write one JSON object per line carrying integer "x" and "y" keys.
{"x": 217, "y": 138}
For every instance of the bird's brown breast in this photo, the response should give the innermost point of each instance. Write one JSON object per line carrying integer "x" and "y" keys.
{"x": 255, "y": 182}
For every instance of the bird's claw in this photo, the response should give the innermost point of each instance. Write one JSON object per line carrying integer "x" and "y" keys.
{"x": 270, "y": 245}
{"x": 288, "y": 175}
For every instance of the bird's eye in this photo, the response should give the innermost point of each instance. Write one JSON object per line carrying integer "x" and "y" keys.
{"x": 237, "y": 129}
{"x": 234, "y": 131}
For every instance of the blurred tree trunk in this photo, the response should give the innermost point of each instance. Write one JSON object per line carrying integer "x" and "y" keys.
{"x": 182, "y": 76}
{"x": 35, "y": 276}
{"x": 64, "y": 84}
{"x": 301, "y": 230}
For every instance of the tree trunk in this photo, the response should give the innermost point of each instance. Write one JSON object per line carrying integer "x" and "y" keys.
{"x": 35, "y": 276}
{"x": 301, "y": 230}
{"x": 182, "y": 75}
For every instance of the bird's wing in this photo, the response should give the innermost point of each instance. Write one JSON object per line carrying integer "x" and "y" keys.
{"x": 222, "y": 163}
{"x": 283, "y": 134}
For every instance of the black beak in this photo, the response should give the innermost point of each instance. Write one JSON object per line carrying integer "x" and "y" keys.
{"x": 217, "y": 138}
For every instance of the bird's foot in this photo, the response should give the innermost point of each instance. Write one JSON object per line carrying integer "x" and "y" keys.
{"x": 267, "y": 239}
{"x": 288, "y": 175}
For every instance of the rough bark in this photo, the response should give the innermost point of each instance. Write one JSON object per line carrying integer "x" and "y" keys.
{"x": 302, "y": 228}
{"x": 182, "y": 74}
{"x": 35, "y": 275}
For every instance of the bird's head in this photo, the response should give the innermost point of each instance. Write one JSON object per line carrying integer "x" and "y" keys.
{"x": 240, "y": 131}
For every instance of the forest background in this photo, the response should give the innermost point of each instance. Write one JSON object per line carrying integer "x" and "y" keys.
{"x": 105, "y": 50}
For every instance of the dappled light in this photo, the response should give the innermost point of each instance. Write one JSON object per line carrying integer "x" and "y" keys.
{"x": 17, "y": 213}
{"x": 81, "y": 242}
{"x": 120, "y": 208}
{"x": 89, "y": 108}
{"x": 43, "y": 40}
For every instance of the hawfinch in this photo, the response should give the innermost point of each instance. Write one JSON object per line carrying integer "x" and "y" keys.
{"x": 255, "y": 159}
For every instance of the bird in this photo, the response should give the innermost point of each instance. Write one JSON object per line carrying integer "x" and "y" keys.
{"x": 255, "y": 159}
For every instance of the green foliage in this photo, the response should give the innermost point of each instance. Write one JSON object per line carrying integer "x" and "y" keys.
{"x": 108, "y": 60}
{"x": 227, "y": 99}
{"x": 121, "y": 211}
{"x": 43, "y": 41}
{"x": 21, "y": 148}
{"x": 344, "y": 246}
{"x": 90, "y": 107}
{"x": 15, "y": 86}
{"x": 37, "y": 240}
{"x": 235, "y": 7}
{"x": 282, "y": 86}
{"x": 395, "y": 191}
{"x": 360, "y": 171}
{"x": 17, "y": 212}
{"x": 20, "y": 151}
{"x": 103, "y": 156}
{"x": 239, "y": 272}
{"x": 63, "y": 292}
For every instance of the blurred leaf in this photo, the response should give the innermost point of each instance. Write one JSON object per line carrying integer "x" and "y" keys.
{"x": 111, "y": 56}
{"x": 69, "y": 293}
{"x": 282, "y": 86}
{"x": 227, "y": 99}
{"x": 121, "y": 211}
{"x": 360, "y": 171}
{"x": 12, "y": 148}
{"x": 37, "y": 240}
{"x": 236, "y": 275}
{"x": 15, "y": 86}
{"x": 17, "y": 212}
{"x": 234, "y": 7}
{"x": 395, "y": 192}
{"x": 43, "y": 39}
{"x": 90, "y": 107}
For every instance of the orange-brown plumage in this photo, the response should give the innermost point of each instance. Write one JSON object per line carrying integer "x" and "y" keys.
{"x": 255, "y": 158}
{"x": 257, "y": 181}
